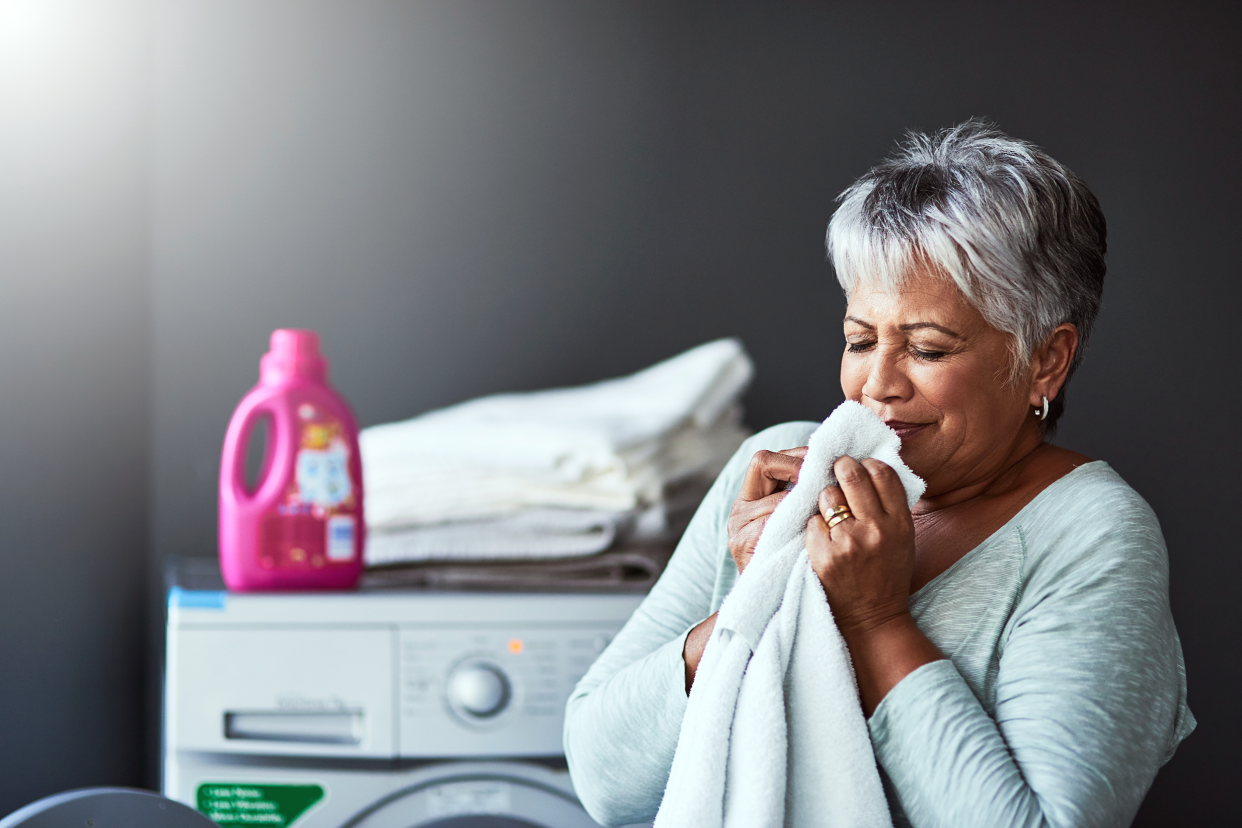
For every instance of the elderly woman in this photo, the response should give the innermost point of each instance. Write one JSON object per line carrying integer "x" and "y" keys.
{"x": 1011, "y": 635}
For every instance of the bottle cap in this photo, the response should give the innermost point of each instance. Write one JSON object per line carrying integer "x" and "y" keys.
{"x": 294, "y": 353}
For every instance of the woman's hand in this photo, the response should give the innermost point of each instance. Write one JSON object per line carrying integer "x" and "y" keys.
{"x": 764, "y": 487}
{"x": 865, "y": 562}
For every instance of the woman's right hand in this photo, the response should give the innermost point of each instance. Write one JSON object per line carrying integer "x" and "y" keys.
{"x": 765, "y": 486}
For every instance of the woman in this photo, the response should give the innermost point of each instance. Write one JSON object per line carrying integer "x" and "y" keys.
{"x": 1011, "y": 635}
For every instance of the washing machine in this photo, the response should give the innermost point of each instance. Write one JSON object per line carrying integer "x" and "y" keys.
{"x": 378, "y": 709}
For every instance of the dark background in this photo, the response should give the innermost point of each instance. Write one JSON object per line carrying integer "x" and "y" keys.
{"x": 468, "y": 197}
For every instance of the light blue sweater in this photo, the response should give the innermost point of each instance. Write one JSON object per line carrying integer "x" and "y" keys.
{"x": 1063, "y": 693}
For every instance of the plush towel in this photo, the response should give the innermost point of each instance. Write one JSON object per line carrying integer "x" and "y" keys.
{"x": 409, "y": 489}
{"x": 570, "y": 429}
{"x": 774, "y": 734}
{"x": 539, "y": 533}
{"x": 534, "y": 533}
{"x": 611, "y": 445}
{"x": 624, "y": 569}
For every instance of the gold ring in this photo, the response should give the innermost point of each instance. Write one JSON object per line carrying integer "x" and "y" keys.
{"x": 839, "y": 515}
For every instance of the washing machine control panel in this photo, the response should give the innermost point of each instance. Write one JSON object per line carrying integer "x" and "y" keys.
{"x": 485, "y": 692}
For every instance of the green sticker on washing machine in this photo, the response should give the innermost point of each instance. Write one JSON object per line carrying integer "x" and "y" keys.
{"x": 239, "y": 804}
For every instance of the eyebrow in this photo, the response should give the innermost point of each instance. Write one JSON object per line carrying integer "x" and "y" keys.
{"x": 913, "y": 326}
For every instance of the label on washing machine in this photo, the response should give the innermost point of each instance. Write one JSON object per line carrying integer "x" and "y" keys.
{"x": 241, "y": 804}
{"x": 473, "y": 797}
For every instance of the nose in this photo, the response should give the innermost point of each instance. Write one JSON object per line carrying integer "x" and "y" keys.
{"x": 887, "y": 380}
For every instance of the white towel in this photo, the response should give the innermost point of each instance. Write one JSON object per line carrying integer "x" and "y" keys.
{"x": 538, "y": 532}
{"x": 533, "y": 533}
{"x": 409, "y": 489}
{"x": 774, "y": 734}
{"x": 572, "y": 434}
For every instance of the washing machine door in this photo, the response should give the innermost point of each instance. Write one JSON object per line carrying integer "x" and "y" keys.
{"x": 502, "y": 798}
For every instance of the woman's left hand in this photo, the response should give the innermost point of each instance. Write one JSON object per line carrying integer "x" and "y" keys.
{"x": 864, "y": 562}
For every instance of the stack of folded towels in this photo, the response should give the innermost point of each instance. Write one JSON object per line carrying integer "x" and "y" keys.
{"x": 556, "y": 474}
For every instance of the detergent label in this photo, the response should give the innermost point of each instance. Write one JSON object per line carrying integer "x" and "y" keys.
{"x": 341, "y": 538}
{"x": 315, "y": 524}
{"x": 322, "y": 473}
{"x": 240, "y": 804}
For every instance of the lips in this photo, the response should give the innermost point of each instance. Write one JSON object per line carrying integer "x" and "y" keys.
{"x": 905, "y": 430}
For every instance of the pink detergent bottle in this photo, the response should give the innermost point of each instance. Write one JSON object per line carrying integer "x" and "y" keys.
{"x": 301, "y": 527}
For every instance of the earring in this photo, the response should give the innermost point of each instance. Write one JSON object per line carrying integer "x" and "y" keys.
{"x": 1043, "y": 415}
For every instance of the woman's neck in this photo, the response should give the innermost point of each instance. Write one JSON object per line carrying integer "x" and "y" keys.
{"x": 949, "y": 524}
{"x": 1011, "y": 472}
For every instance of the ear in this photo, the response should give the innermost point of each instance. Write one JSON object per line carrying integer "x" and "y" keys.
{"x": 1051, "y": 362}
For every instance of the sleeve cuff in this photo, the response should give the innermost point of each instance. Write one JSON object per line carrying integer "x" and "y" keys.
{"x": 672, "y": 665}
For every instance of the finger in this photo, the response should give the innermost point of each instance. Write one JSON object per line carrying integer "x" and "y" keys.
{"x": 769, "y": 471}
{"x": 799, "y": 453}
{"x": 887, "y": 485}
{"x": 818, "y": 541}
{"x": 829, "y": 499}
{"x": 860, "y": 493}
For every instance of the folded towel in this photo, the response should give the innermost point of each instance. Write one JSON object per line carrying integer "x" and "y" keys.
{"x": 534, "y": 533}
{"x": 774, "y": 734}
{"x": 628, "y": 569}
{"x": 571, "y": 430}
{"x": 540, "y": 533}
{"x": 407, "y": 489}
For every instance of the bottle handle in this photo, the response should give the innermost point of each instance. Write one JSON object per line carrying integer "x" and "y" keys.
{"x": 237, "y": 441}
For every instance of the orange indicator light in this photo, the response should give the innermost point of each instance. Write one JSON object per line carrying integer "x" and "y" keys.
{"x": 516, "y": 646}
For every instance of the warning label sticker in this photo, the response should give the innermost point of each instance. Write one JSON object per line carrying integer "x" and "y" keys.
{"x": 277, "y": 806}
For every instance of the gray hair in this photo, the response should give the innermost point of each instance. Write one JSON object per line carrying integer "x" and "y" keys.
{"x": 1020, "y": 235}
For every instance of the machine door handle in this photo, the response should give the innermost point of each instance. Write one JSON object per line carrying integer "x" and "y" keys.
{"x": 327, "y": 727}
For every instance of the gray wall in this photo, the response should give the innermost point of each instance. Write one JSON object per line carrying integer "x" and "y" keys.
{"x": 74, "y": 375}
{"x": 467, "y": 197}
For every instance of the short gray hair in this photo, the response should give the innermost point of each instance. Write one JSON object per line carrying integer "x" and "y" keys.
{"x": 1020, "y": 235}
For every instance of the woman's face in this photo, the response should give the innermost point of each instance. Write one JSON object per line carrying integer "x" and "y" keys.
{"x": 931, "y": 367}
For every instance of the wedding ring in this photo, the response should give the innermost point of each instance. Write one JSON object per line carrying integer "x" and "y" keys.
{"x": 839, "y": 515}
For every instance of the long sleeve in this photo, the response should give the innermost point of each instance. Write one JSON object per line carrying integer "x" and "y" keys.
{"x": 624, "y": 717}
{"x": 1089, "y": 692}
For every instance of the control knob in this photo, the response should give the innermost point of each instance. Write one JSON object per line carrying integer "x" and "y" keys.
{"x": 478, "y": 689}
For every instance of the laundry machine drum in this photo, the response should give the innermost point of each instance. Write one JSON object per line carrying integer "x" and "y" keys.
{"x": 476, "y": 801}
